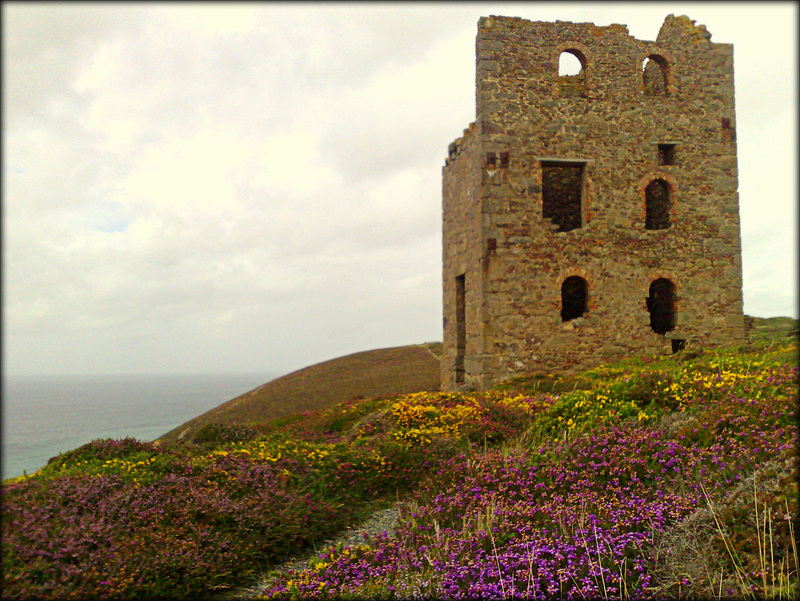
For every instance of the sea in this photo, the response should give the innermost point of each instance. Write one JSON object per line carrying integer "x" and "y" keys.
{"x": 43, "y": 416}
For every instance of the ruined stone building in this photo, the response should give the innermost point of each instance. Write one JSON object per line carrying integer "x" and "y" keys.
{"x": 591, "y": 216}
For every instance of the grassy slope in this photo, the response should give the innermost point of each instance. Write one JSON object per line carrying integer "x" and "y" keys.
{"x": 724, "y": 538}
{"x": 216, "y": 514}
{"x": 391, "y": 371}
{"x": 773, "y": 328}
{"x": 398, "y": 370}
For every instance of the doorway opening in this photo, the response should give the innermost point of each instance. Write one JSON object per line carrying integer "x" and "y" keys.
{"x": 661, "y": 306}
{"x": 461, "y": 327}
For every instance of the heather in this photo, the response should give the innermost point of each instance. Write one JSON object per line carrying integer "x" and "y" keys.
{"x": 670, "y": 477}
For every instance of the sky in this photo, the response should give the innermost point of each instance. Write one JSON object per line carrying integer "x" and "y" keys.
{"x": 224, "y": 188}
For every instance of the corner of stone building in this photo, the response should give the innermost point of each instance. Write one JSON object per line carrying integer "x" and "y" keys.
{"x": 511, "y": 226}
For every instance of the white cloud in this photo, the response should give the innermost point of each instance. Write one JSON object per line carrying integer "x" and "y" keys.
{"x": 187, "y": 175}
{"x": 395, "y": 110}
{"x": 290, "y": 164}
{"x": 213, "y": 20}
{"x": 258, "y": 187}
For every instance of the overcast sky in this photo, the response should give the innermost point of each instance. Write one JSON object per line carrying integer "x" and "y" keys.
{"x": 220, "y": 188}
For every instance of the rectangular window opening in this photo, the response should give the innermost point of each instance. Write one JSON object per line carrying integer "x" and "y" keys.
{"x": 504, "y": 159}
{"x": 666, "y": 154}
{"x": 728, "y": 133}
{"x": 461, "y": 327}
{"x": 562, "y": 193}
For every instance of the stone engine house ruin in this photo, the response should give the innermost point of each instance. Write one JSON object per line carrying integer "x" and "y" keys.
{"x": 595, "y": 215}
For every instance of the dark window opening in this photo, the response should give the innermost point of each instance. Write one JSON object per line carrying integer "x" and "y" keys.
{"x": 574, "y": 295}
{"x": 728, "y": 132}
{"x": 656, "y": 204}
{"x": 666, "y": 154}
{"x": 562, "y": 194}
{"x": 678, "y": 345}
{"x": 572, "y": 74}
{"x": 461, "y": 327}
{"x": 504, "y": 159}
{"x": 654, "y": 74}
{"x": 491, "y": 158}
{"x": 661, "y": 306}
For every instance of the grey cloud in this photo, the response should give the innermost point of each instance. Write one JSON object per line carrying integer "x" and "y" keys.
{"x": 45, "y": 44}
{"x": 334, "y": 250}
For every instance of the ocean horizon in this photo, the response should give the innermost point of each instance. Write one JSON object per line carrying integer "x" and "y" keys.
{"x": 44, "y": 416}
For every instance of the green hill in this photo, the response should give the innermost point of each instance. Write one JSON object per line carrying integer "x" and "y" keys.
{"x": 772, "y": 329}
{"x": 382, "y": 372}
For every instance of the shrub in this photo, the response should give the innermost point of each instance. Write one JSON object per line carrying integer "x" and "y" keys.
{"x": 102, "y": 449}
{"x": 507, "y": 496}
{"x": 216, "y": 435}
{"x": 180, "y": 536}
{"x": 499, "y": 423}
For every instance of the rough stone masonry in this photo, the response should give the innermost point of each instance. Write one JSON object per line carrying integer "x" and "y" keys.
{"x": 595, "y": 215}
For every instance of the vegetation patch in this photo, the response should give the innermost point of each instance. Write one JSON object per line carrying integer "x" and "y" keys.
{"x": 214, "y": 435}
{"x": 658, "y": 478}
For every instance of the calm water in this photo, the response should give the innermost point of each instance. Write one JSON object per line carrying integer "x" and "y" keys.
{"x": 45, "y": 416}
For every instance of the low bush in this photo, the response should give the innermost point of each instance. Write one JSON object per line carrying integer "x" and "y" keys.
{"x": 215, "y": 434}
{"x": 570, "y": 494}
{"x": 584, "y": 510}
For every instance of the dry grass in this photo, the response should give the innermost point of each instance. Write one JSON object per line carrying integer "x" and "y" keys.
{"x": 743, "y": 545}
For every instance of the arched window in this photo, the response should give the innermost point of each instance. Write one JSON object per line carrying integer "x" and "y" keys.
{"x": 574, "y": 296}
{"x": 572, "y": 74}
{"x": 661, "y": 305}
{"x": 656, "y": 205}
{"x": 654, "y": 74}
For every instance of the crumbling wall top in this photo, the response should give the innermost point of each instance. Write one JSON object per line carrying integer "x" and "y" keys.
{"x": 517, "y": 22}
{"x": 680, "y": 29}
{"x": 674, "y": 30}
{"x": 455, "y": 147}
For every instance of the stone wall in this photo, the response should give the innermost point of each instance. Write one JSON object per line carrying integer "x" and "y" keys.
{"x": 611, "y": 131}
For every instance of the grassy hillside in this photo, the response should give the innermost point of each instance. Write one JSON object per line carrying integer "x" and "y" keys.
{"x": 657, "y": 477}
{"x": 772, "y": 329}
{"x": 398, "y": 370}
